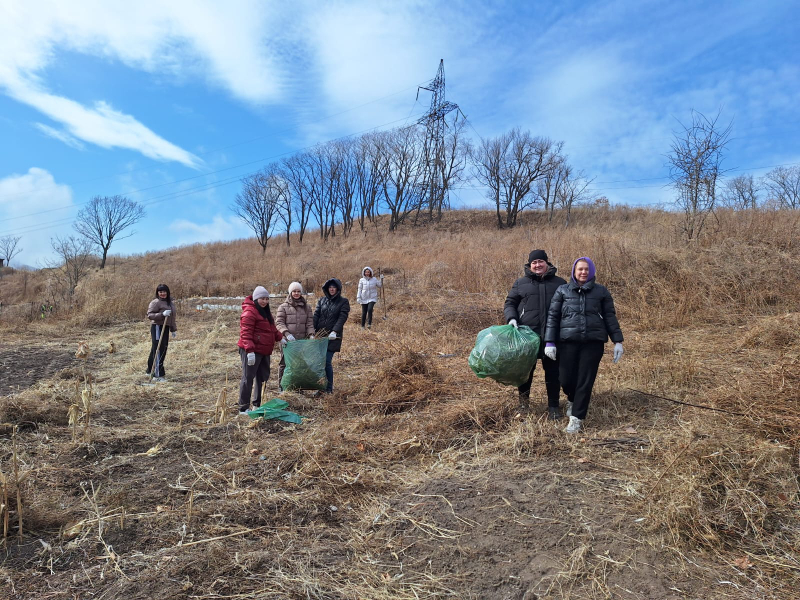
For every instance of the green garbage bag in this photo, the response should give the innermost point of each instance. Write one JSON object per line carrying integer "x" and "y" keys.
{"x": 505, "y": 354}
{"x": 305, "y": 365}
{"x": 275, "y": 409}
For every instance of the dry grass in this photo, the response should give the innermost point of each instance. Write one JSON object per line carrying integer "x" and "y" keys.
{"x": 414, "y": 480}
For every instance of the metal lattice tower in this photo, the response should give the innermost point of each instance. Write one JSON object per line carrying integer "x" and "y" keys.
{"x": 436, "y": 196}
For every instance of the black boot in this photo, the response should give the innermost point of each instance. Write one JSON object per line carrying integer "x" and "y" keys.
{"x": 553, "y": 413}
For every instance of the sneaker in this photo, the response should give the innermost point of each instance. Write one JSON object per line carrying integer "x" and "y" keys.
{"x": 244, "y": 412}
{"x": 569, "y": 408}
{"x": 553, "y": 413}
{"x": 574, "y": 425}
{"x": 160, "y": 379}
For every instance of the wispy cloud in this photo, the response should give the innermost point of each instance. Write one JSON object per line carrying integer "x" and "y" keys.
{"x": 61, "y": 136}
{"x": 230, "y": 47}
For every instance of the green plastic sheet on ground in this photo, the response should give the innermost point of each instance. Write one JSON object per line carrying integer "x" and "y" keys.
{"x": 305, "y": 365}
{"x": 505, "y": 354}
{"x": 275, "y": 409}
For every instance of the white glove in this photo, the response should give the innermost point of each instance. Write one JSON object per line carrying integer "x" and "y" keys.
{"x": 174, "y": 334}
{"x": 550, "y": 352}
{"x": 284, "y": 341}
{"x": 167, "y": 312}
{"x": 618, "y": 351}
{"x": 381, "y": 276}
{"x": 513, "y": 323}
{"x": 311, "y": 337}
{"x": 332, "y": 335}
{"x": 289, "y": 337}
{"x": 251, "y": 359}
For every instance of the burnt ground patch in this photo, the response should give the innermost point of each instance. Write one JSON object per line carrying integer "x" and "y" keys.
{"x": 22, "y": 366}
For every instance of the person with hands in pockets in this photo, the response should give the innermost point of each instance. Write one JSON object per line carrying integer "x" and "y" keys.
{"x": 330, "y": 315}
{"x": 294, "y": 319}
{"x": 161, "y": 314}
{"x": 527, "y": 304}
{"x": 368, "y": 294}
{"x": 580, "y": 321}
{"x": 257, "y": 338}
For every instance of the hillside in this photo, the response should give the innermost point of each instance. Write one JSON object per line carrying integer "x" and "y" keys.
{"x": 415, "y": 479}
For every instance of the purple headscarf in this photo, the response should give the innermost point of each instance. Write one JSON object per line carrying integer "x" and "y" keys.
{"x": 591, "y": 268}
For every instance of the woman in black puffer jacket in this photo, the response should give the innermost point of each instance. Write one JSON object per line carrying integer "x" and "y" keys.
{"x": 330, "y": 315}
{"x": 579, "y": 323}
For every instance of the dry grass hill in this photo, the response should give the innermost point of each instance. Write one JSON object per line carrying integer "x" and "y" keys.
{"x": 414, "y": 479}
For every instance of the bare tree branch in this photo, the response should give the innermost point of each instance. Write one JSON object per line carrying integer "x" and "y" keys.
{"x": 104, "y": 218}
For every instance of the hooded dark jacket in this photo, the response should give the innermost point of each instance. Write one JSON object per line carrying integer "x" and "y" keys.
{"x": 582, "y": 314}
{"x": 331, "y": 313}
{"x": 530, "y": 297}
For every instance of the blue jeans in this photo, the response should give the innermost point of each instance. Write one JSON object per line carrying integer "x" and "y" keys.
{"x": 329, "y": 370}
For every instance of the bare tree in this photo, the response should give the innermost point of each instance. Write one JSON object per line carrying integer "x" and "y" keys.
{"x": 8, "y": 247}
{"x": 572, "y": 192}
{"x": 510, "y": 165}
{"x": 370, "y": 177}
{"x": 740, "y": 193}
{"x": 258, "y": 204}
{"x": 402, "y": 155}
{"x": 104, "y": 218}
{"x": 297, "y": 171}
{"x": 74, "y": 262}
{"x": 695, "y": 163}
{"x": 783, "y": 186}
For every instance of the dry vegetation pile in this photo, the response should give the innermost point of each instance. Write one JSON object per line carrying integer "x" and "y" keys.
{"x": 415, "y": 479}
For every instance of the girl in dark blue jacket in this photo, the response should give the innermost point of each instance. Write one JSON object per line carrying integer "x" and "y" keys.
{"x": 579, "y": 323}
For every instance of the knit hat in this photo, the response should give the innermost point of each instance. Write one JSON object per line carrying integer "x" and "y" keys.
{"x": 260, "y": 292}
{"x": 588, "y": 261}
{"x": 295, "y": 285}
{"x": 537, "y": 255}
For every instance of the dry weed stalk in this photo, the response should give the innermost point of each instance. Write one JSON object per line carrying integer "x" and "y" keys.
{"x": 17, "y": 480}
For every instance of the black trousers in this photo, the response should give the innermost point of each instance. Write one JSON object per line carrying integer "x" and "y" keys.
{"x": 259, "y": 371}
{"x": 155, "y": 331}
{"x": 551, "y": 380}
{"x": 366, "y": 313}
{"x": 578, "y": 363}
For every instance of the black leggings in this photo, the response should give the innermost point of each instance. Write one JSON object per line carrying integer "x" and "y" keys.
{"x": 155, "y": 331}
{"x": 366, "y": 313}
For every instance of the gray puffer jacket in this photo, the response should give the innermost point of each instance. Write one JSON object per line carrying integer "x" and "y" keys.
{"x": 582, "y": 314}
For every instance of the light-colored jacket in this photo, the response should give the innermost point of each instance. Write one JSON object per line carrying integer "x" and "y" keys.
{"x": 368, "y": 288}
{"x": 154, "y": 313}
{"x": 295, "y": 317}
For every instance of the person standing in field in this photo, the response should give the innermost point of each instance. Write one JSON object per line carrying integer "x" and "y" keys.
{"x": 294, "y": 319}
{"x": 527, "y": 304}
{"x": 368, "y": 294}
{"x": 580, "y": 321}
{"x": 161, "y": 313}
{"x": 330, "y": 315}
{"x": 257, "y": 338}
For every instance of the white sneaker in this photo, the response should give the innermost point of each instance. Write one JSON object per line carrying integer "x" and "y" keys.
{"x": 569, "y": 408}
{"x": 244, "y": 412}
{"x": 160, "y": 379}
{"x": 574, "y": 425}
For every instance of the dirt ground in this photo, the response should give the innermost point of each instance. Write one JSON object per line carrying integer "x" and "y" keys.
{"x": 445, "y": 495}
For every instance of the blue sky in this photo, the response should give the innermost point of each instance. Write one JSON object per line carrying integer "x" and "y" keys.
{"x": 171, "y": 103}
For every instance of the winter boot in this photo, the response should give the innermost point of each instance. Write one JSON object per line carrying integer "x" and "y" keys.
{"x": 569, "y": 408}
{"x": 553, "y": 413}
{"x": 574, "y": 425}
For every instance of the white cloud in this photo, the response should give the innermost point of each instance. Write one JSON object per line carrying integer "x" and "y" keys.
{"x": 25, "y": 202}
{"x": 220, "y": 228}
{"x": 233, "y": 47}
{"x": 61, "y": 136}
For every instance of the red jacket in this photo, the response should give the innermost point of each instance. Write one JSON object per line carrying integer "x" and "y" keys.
{"x": 256, "y": 334}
